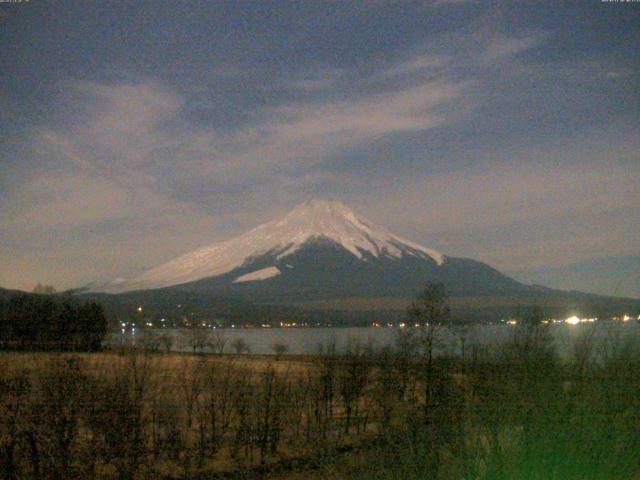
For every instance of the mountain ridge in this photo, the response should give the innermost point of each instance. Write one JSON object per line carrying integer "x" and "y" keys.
{"x": 614, "y": 275}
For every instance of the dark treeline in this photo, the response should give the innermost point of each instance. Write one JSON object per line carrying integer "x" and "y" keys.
{"x": 184, "y": 309}
{"x": 43, "y": 322}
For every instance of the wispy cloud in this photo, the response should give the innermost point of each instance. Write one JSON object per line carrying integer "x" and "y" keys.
{"x": 139, "y": 130}
{"x": 453, "y": 2}
{"x": 315, "y": 80}
{"x": 499, "y": 47}
{"x": 417, "y": 65}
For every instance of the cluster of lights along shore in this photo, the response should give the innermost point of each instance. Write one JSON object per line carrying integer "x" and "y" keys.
{"x": 186, "y": 322}
{"x": 575, "y": 320}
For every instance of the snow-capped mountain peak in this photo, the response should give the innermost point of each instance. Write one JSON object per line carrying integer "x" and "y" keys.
{"x": 335, "y": 221}
{"x": 314, "y": 219}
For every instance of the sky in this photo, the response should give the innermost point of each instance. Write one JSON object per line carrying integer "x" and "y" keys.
{"x": 133, "y": 132}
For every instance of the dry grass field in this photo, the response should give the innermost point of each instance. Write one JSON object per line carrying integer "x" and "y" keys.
{"x": 395, "y": 413}
{"x": 169, "y": 415}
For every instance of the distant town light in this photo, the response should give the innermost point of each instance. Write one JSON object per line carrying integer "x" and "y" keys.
{"x": 572, "y": 320}
{"x": 139, "y": 309}
{"x": 626, "y": 318}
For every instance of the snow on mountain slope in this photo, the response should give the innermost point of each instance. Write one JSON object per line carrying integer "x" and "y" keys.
{"x": 262, "y": 274}
{"x": 311, "y": 220}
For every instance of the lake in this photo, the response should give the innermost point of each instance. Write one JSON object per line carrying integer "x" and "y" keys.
{"x": 308, "y": 340}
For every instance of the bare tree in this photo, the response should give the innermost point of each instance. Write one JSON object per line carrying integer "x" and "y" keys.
{"x": 44, "y": 289}
{"x": 531, "y": 343}
{"x": 218, "y": 342}
{"x": 150, "y": 341}
{"x": 240, "y": 346}
{"x": 353, "y": 376}
{"x": 583, "y": 348}
{"x": 267, "y": 424}
{"x": 116, "y": 412}
{"x": 431, "y": 311}
{"x": 389, "y": 387}
{"x": 406, "y": 345}
{"x": 14, "y": 392}
{"x": 197, "y": 338}
{"x": 166, "y": 342}
{"x": 60, "y": 406}
{"x": 460, "y": 330}
{"x": 214, "y": 407}
{"x": 324, "y": 388}
{"x": 243, "y": 398}
{"x": 190, "y": 383}
{"x": 280, "y": 349}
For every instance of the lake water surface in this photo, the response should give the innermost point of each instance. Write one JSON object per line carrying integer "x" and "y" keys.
{"x": 308, "y": 340}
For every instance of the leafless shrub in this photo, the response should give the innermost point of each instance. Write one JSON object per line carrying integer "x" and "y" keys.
{"x": 214, "y": 407}
{"x": 406, "y": 346}
{"x": 353, "y": 376}
{"x": 15, "y": 388}
{"x": 280, "y": 349}
{"x": 150, "y": 341}
{"x": 116, "y": 413}
{"x": 243, "y": 436}
{"x": 166, "y": 342}
{"x": 198, "y": 339}
{"x": 190, "y": 385}
{"x": 60, "y": 404}
{"x": 218, "y": 342}
{"x": 269, "y": 412}
{"x": 584, "y": 348}
{"x": 240, "y": 346}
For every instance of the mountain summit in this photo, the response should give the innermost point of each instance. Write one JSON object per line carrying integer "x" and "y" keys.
{"x": 312, "y": 222}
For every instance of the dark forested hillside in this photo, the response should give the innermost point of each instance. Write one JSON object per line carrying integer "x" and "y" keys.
{"x": 47, "y": 322}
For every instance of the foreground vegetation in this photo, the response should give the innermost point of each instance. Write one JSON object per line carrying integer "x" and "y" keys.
{"x": 395, "y": 413}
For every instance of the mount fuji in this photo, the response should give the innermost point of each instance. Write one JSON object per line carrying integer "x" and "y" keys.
{"x": 323, "y": 255}
{"x": 272, "y": 248}
{"x": 317, "y": 251}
